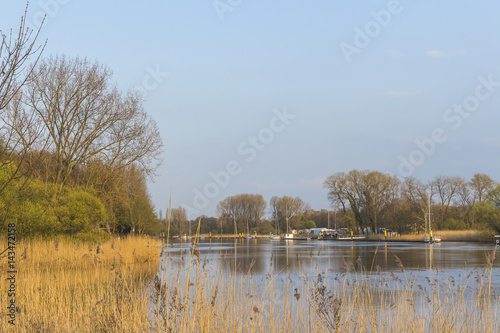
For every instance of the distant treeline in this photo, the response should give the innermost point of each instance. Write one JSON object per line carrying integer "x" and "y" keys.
{"x": 364, "y": 201}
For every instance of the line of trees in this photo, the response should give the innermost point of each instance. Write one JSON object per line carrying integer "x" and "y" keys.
{"x": 371, "y": 200}
{"x": 75, "y": 151}
{"x": 365, "y": 201}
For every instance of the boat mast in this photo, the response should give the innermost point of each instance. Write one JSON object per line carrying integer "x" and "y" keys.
{"x": 429, "y": 207}
{"x": 276, "y": 222}
{"x": 286, "y": 214}
{"x": 335, "y": 218}
{"x": 169, "y": 213}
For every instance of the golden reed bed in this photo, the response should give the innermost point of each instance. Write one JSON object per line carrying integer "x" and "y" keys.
{"x": 64, "y": 286}
{"x": 117, "y": 287}
{"x": 446, "y": 236}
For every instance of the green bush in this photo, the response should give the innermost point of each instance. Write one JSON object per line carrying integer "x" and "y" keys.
{"x": 40, "y": 209}
{"x": 80, "y": 211}
{"x": 487, "y": 216}
{"x": 29, "y": 204}
{"x": 453, "y": 224}
{"x": 265, "y": 228}
{"x": 310, "y": 225}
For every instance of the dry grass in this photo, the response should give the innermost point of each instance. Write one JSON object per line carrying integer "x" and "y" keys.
{"x": 65, "y": 286}
{"x": 446, "y": 236}
{"x": 464, "y": 236}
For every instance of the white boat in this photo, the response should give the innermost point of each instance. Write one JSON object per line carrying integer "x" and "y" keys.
{"x": 435, "y": 239}
{"x": 288, "y": 236}
{"x": 275, "y": 237}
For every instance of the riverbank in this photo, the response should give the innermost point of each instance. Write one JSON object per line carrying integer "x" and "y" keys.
{"x": 70, "y": 286}
{"x": 446, "y": 236}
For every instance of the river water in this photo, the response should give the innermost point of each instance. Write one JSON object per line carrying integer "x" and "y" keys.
{"x": 272, "y": 273}
{"x": 308, "y": 258}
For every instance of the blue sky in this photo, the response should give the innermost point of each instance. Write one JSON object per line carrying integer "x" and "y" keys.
{"x": 226, "y": 69}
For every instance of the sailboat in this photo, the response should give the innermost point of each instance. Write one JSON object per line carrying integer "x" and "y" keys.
{"x": 431, "y": 238}
{"x": 288, "y": 234}
{"x": 275, "y": 237}
{"x": 187, "y": 237}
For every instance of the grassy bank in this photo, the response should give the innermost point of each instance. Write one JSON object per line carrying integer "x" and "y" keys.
{"x": 67, "y": 286}
{"x": 446, "y": 236}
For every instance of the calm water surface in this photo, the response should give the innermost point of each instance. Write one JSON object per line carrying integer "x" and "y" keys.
{"x": 308, "y": 258}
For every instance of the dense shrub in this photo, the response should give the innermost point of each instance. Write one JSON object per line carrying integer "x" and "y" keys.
{"x": 453, "y": 224}
{"x": 39, "y": 208}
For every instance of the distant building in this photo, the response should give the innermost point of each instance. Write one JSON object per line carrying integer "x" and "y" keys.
{"x": 316, "y": 231}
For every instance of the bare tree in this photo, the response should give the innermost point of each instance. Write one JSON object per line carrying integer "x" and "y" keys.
{"x": 465, "y": 201}
{"x": 414, "y": 193}
{"x": 84, "y": 118}
{"x": 16, "y": 49}
{"x": 273, "y": 210}
{"x": 446, "y": 189}
{"x": 347, "y": 190}
{"x": 179, "y": 220}
{"x": 286, "y": 208}
{"x": 481, "y": 184}
{"x": 380, "y": 190}
{"x": 367, "y": 193}
{"x": 338, "y": 190}
{"x": 243, "y": 209}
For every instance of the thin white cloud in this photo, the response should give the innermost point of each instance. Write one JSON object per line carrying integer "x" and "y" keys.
{"x": 443, "y": 54}
{"x": 400, "y": 94}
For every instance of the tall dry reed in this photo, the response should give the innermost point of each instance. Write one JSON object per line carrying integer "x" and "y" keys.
{"x": 446, "y": 236}
{"x": 65, "y": 286}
